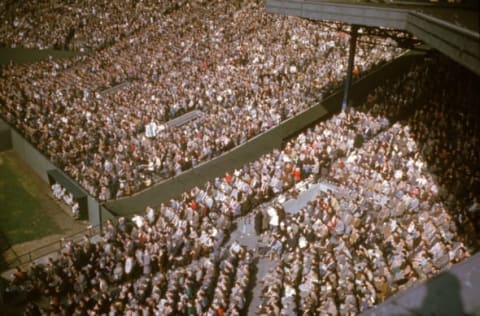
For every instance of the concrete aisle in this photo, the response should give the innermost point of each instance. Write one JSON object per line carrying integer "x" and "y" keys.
{"x": 264, "y": 265}
{"x": 245, "y": 235}
{"x": 294, "y": 205}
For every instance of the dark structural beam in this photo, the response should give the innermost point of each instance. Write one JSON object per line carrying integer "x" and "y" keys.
{"x": 351, "y": 58}
{"x": 336, "y": 11}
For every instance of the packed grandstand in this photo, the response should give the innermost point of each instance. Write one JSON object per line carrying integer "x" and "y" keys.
{"x": 244, "y": 69}
{"x": 399, "y": 170}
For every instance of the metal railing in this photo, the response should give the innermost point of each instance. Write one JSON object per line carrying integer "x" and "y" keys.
{"x": 51, "y": 248}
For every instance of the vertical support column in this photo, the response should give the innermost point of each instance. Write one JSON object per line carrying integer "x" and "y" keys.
{"x": 351, "y": 57}
{"x": 100, "y": 219}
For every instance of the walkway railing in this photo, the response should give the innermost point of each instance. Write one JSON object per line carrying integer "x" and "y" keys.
{"x": 51, "y": 248}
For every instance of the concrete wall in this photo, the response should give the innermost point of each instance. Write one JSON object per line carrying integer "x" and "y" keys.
{"x": 35, "y": 159}
{"x": 93, "y": 210}
{"x": 105, "y": 214}
{"x": 5, "y": 137}
{"x": 40, "y": 165}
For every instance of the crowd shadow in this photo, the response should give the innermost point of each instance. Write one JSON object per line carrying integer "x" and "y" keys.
{"x": 455, "y": 173}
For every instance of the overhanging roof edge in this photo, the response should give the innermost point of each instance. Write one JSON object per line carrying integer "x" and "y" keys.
{"x": 454, "y": 27}
{"x": 364, "y": 15}
{"x": 459, "y": 43}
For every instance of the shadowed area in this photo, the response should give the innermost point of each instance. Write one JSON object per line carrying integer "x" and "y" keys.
{"x": 31, "y": 55}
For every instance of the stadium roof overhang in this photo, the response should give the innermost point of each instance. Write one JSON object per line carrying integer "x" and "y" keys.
{"x": 451, "y": 30}
{"x": 451, "y": 292}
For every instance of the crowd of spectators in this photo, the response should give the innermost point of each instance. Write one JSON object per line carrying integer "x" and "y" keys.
{"x": 350, "y": 249}
{"x": 80, "y": 25}
{"x": 244, "y": 69}
{"x": 387, "y": 222}
{"x": 404, "y": 165}
{"x": 61, "y": 195}
{"x": 393, "y": 218}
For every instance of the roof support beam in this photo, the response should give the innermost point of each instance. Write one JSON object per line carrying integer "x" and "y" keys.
{"x": 460, "y": 44}
{"x": 351, "y": 58}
